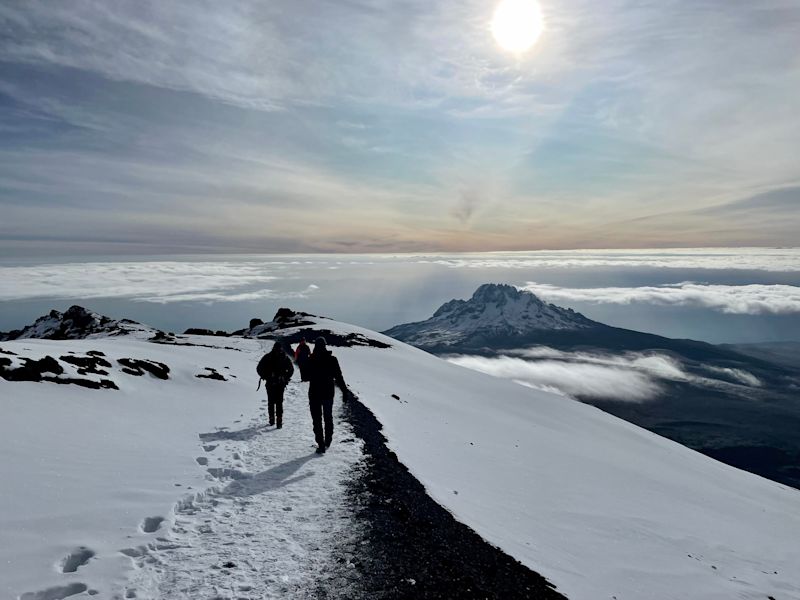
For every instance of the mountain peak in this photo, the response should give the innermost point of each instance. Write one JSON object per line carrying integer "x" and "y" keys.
{"x": 494, "y": 311}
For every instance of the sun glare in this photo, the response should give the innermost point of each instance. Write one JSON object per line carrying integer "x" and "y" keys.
{"x": 517, "y": 24}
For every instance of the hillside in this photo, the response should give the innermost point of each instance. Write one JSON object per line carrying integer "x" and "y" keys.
{"x": 598, "y": 506}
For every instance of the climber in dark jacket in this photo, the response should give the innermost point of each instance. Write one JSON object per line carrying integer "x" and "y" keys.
{"x": 301, "y": 355}
{"x": 276, "y": 369}
{"x": 324, "y": 374}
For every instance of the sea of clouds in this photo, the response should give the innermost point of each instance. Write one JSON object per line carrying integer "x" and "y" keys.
{"x": 626, "y": 377}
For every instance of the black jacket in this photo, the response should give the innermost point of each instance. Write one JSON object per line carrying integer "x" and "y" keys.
{"x": 276, "y": 369}
{"x": 323, "y": 373}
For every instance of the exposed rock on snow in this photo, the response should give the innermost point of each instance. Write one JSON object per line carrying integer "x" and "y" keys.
{"x": 136, "y": 366}
{"x": 201, "y": 331}
{"x": 291, "y": 327}
{"x": 211, "y": 373}
{"x": 47, "y": 368}
{"x": 76, "y": 323}
{"x": 493, "y": 311}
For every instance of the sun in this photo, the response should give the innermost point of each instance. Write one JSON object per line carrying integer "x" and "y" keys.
{"x": 517, "y": 24}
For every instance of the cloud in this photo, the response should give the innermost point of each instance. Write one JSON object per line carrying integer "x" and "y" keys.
{"x": 159, "y": 282}
{"x": 465, "y": 207}
{"x": 758, "y": 259}
{"x": 214, "y": 297}
{"x": 738, "y": 375}
{"x": 624, "y": 377}
{"x": 574, "y": 379}
{"x": 753, "y": 299}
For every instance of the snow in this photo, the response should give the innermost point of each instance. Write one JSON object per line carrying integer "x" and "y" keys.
{"x": 599, "y": 506}
{"x": 86, "y": 468}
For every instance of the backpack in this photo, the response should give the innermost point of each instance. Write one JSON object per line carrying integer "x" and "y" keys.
{"x": 263, "y": 367}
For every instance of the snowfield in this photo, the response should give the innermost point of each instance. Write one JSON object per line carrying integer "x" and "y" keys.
{"x": 600, "y": 507}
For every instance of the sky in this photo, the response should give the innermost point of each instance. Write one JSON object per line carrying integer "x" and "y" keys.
{"x": 135, "y": 127}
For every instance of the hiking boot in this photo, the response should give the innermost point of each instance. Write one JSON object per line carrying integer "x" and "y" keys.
{"x": 328, "y": 443}
{"x": 271, "y": 423}
{"x": 279, "y": 425}
{"x": 320, "y": 450}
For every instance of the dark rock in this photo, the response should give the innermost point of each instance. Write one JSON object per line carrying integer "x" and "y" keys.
{"x": 211, "y": 374}
{"x": 198, "y": 331}
{"x": 34, "y": 370}
{"x": 156, "y": 369}
{"x": 255, "y": 323}
{"x": 333, "y": 339}
{"x": 89, "y": 364}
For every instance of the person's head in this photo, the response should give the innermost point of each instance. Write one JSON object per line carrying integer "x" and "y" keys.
{"x": 320, "y": 345}
{"x": 302, "y": 341}
{"x": 277, "y": 347}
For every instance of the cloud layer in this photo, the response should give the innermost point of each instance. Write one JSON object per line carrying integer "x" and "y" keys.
{"x": 157, "y": 282}
{"x": 573, "y": 379}
{"x": 625, "y": 377}
{"x": 753, "y": 299}
{"x": 757, "y": 259}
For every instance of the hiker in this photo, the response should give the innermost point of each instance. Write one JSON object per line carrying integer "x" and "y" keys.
{"x": 301, "y": 355}
{"x": 323, "y": 371}
{"x": 276, "y": 369}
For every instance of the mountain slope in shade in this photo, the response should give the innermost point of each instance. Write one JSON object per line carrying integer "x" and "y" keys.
{"x": 76, "y": 323}
{"x": 495, "y": 311}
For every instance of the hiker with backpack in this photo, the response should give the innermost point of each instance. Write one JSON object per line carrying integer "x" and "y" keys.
{"x": 301, "y": 355}
{"x": 324, "y": 373}
{"x": 276, "y": 369}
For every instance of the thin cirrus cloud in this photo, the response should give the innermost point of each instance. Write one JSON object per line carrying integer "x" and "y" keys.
{"x": 752, "y": 299}
{"x": 157, "y": 282}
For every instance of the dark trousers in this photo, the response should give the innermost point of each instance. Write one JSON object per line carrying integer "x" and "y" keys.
{"x": 322, "y": 409}
{"x": 275, "y": 403}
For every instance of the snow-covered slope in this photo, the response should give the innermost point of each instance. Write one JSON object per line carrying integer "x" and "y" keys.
{"x": 148, "y": 488}
{"x": 493, "y": 311}
{"x": 600, "y": 507}
{"x": 77, "y": 323}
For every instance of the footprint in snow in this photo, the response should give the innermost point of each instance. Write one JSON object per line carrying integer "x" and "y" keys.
{"x": 56, "y": 593}
{"x": 151, "y": 524}
{"x": 75, "y": 559}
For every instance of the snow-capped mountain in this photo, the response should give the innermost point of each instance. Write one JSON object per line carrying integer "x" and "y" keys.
{"x": 76, "y": 323}
{"x": 174, "y": 487}
{"x": 495, "y": 311}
